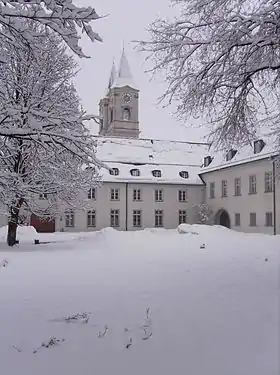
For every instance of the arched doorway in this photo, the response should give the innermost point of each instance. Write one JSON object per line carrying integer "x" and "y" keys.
{"x": 222, "y": 218}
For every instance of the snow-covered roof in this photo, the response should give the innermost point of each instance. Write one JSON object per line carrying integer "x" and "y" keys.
{"x": 124, "y": 76}
{"x": 170, "y": 157}
{"x": 170, "y": 174}
{"x": 244, "y": 155}
{"x": 150, "y": 151}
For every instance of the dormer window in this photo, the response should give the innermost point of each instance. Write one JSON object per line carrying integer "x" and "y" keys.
{"x": 91, "y": 169}
{"x": 207, "y": 161}
{"x": 184, "y": 174}
{"x": 156, "y": 173}
{"x": 230, "y": 154}
{"x": 114, "y": 171}
{"x": 135, "y": 172}
{"x": 258, "y": 146}
{"x": 126, "y": 114}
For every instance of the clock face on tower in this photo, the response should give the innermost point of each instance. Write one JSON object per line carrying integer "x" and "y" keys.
{"x": 126, "y": 98}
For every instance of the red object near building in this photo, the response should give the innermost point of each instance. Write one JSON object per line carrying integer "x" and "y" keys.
{"x": 42, "y": 226}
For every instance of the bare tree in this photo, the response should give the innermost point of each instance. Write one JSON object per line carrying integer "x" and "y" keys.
{"x": 61, "y": 16}
{"x": 45, "y": 148}
{"x": 221, "y": 59}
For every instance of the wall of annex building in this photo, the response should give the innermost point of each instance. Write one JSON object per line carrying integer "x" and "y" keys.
{"x": 259, "y": 203}
{"x": 102, "y": 205}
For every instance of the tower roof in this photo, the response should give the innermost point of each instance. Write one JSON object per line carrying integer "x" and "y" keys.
{"x": 112, "y": 78}
{"x": 124, "y": 76}
{"x": 113, "y": 75}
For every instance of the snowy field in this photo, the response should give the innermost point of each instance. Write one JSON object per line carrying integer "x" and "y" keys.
{"x": 153, "y": 302}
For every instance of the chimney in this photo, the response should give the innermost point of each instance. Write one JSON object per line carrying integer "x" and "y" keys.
{"x": 230, "y": 154}
{"x": 207, "y": 161}
{"x": 258, "y": 146}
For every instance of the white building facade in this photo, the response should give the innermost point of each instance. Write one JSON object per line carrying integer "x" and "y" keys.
{"x": 244, "y": 191}
{"x": 155, "y": 183}
{"x": 134, "y": 206}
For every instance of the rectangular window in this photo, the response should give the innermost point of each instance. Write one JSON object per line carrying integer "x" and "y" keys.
{"x": 136, "y": 195}
{"x": 182, "y": 195}
{"x": 69, "y": 218}
{"x": 115, "y": 218}
{"x": 253, "y": 219}
{"x": 115, "y": 194}
{"x": 237, "y": 186}
{"x": 182, "y": 217}
{"x": 92, "y": 194}
{"x": 159, "y": 195}
{"x": 268, "y": 219}
{"x": 224, "y": 188}
{"x": 237, "y": 220}
{"x": 158, "y": 218}
{"x": 136, "y": 216}
{"x": 268, "y": 182}
{"x": 43, "y": 196}
{"x": 253, "y": 184}
{"x": 91, "y": 219}
{"x": 212, "y": 190}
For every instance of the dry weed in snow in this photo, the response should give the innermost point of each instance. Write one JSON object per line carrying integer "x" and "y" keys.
{"x": 50, "y": 343}
{"x": 104, "y": 333}
{"x": 78, "y": 318}
{"x": 4, "y": 264}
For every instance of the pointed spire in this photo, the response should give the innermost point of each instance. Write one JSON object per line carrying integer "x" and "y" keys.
{"x": 124, "y": 68}
{"x": 124, "y": 76}
{"x": 112, "y": 78}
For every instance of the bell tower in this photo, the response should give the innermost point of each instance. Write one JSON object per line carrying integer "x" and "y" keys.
{"x": 119, "y": 109}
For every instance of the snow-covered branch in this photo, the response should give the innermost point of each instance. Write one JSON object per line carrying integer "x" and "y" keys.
{"x": 221, "y": 58}
{"x": 60, "y": 16}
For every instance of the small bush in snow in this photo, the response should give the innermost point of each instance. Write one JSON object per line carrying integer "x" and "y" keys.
{"x": 203, "y": 213}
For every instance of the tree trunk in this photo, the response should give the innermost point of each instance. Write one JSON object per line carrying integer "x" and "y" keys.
{"x": 12, "y": 233}
{"x": 13, "y": 224}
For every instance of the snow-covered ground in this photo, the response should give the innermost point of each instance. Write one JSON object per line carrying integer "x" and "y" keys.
{"x": 152, "y": 302}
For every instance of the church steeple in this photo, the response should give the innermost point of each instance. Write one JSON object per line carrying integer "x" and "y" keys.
{"x": 119, "y": 109}
{"x": 124, "y": 76}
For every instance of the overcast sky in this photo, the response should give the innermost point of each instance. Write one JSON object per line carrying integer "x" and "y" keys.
{"x": 127, "y": 20}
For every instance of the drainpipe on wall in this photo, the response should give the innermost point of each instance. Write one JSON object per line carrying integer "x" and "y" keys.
{"x": 274, "y": 196}
{"x": 126, "y": 207}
